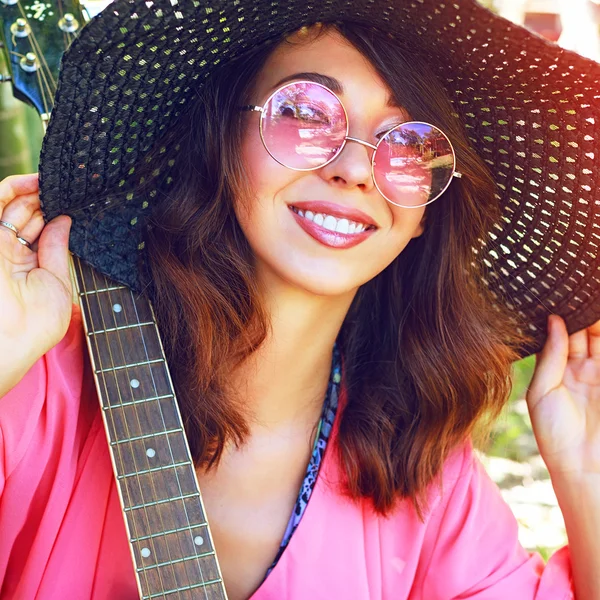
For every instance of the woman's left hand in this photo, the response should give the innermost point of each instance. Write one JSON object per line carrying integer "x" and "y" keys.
{"x": 564, "y": 401}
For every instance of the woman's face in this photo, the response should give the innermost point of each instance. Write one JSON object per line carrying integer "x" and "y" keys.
{"x": 283, "y": 247}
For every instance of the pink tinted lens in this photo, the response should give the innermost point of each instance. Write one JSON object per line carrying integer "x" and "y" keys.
{"x": 303, "y": 125}
{"x": 414, "y": 164}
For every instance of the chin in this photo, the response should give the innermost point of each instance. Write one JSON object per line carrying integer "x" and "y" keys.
{"x": 325, "y": 284}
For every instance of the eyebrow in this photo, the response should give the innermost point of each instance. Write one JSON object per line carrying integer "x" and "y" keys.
{"x": 335, "y": 85}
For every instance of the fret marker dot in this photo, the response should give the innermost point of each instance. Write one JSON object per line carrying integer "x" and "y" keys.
{"x": 145, "y": 552}
{"x": 117, "y": 308}
{"x": 198, "y": 540}
{"x": 151, "y": 452}
{"x": 134, "y": 383}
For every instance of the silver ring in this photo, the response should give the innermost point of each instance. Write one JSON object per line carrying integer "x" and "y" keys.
{"x": 23, "y": 241}
{"x": 9, "y": 226}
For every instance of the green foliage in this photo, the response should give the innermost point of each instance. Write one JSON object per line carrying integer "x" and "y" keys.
{"x": 512, "y": 436}
{"x": 489, "y": 4}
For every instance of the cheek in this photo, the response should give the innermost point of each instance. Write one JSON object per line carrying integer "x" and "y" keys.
{"x": 259, "y": 215}
{"x": 407, "y": 223}
{"x": 265, "y": 176}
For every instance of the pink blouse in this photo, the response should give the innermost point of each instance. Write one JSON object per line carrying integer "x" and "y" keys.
{"x": 62, "y": 535}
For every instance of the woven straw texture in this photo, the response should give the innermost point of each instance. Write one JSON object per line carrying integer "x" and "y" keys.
{"x": 531, "y": 109}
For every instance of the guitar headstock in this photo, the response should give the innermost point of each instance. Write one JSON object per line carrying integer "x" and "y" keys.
{"x": 35, "y": 34}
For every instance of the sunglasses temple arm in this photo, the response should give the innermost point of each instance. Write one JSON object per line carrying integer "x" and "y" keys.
{"x": 457, "y": 174}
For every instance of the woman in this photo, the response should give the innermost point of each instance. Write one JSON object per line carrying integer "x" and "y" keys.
{"x": 263, "y": 310}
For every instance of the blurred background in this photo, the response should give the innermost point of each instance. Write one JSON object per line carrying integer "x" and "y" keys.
{"x": 511, "y": 457}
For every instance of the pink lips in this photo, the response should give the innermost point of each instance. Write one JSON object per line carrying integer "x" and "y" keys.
{"x": 333, "y": 239}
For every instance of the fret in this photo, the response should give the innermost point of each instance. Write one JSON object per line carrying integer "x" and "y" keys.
{"x": 147, "y": 380}
{"x": 180, "y": 574}
{"x": 144, "y": 437}
{"x": 165, "y": 516}
{"x": 89, "y": 279}
{"x": 110, "y": 289}
{"x": 115, "y": 307}
{"x": 132, "y": 421}
{"x": 120, "y": 328}
{"x": 136, "y": 402}
{"x": 161, "y": 548}
{"x": 150, "y": 451}
{"x": 191, "y": 527}
{"x": 214, "y": 593}
{"x": 155, "y": 487}
{"x": 157, "y": 502}
{"x": 130, "y": 366}
{"x": 126, "y": 345}
{"x": 174, "y": 561}
{"x": 137, "y": 473}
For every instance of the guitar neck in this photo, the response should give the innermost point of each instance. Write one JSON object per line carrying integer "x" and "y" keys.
{"x": 169, "y": 536}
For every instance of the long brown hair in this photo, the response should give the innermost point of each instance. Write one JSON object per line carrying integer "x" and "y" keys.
{"x": 426, "y": 351}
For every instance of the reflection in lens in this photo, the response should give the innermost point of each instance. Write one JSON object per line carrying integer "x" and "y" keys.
{"x": 303, "y": 125}
{"x": 414, "y": 163}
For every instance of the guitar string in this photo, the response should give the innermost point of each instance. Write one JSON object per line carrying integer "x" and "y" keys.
{"x": 38, "y": 49}
{"x": 117, "y": 447}
{"x": 144, "y": 404}
{"x": 126, "y": 426}
{"x": 43, "y": 72}
{"x": 66, "y": 34}
{"x": 189, "y": 525}
{"x": 40, "y": 82}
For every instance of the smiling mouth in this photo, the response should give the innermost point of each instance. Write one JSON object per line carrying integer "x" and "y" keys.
{"x": 333, "y": 224}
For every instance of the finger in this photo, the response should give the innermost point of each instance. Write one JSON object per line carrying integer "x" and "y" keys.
{"x": 53, "y": 248}
{"x": 32, "y": 229}
{"x": 17, "y": 185}
{"x": 551, "y": 361}
{"x": 578, "y": 344}
{"x": 594, "y": 339}
{"x": 20, "y": 210}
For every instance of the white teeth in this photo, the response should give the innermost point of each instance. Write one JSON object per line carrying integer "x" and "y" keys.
{"x": 331, "y": 223}
{"x": 342, "y": 226}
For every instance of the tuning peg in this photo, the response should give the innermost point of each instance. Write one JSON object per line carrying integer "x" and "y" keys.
{"x": 29, "y": 62}
{"x": 9, "y": 2}
{"x": 5, "y": 78}
{"x": 20, "y": 28}
{"x": 68, "y": 23}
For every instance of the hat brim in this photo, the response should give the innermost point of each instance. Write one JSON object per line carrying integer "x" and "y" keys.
{"x": 531, "y": 110}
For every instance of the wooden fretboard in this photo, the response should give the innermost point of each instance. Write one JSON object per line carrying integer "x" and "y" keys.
{"x": 169, "y": 535}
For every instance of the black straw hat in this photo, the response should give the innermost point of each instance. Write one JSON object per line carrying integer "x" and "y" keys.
{"x": 531, "y": 109}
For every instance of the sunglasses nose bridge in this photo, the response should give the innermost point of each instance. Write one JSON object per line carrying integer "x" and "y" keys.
{"x": 359, "y": 141}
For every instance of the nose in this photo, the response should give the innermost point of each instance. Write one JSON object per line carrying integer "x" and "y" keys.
{"x": 352, "y": 166}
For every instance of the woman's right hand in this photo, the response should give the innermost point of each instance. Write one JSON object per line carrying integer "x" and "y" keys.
{"x": 35, "y": 288}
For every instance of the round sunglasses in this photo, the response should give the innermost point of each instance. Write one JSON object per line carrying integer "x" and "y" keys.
{"x": 304, "y": 126}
